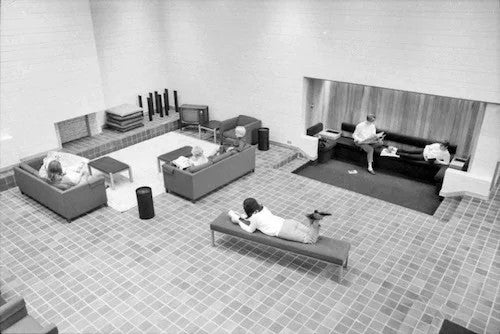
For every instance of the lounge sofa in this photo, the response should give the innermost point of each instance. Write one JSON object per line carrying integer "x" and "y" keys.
{"x": 421, "y": 170}
{"x": 70, "y": 203}
{"x": 195, "y": 182}
{"x": 14, "y": 318}
{"x": 251, "y": 126}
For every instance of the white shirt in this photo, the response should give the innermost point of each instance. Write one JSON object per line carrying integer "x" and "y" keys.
{"x": 434, "y": 151}
{"x": 196, "y": 161}
{"x": 363, "y": 131}
{"x": 263, "y": 221}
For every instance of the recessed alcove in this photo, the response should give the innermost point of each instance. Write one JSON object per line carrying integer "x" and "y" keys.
{"x": 76, "y": 128}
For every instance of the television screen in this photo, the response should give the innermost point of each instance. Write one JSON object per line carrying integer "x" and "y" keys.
{"x": 189, "y": 115}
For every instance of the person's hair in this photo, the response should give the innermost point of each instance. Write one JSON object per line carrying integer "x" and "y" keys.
{"x": 240, "y": 131}
{"x": 445, "y": 144}
{"x": 250, "y": 205}
{"x": 54, "y": 169}
{"x": 370, "y": 117}
{"x": 197, "y": 151}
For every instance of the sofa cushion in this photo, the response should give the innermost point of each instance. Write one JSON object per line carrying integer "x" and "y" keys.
{"x": 223, "y": 156}
{"x": 194, "y": 169}
{"x": 24, "y": 166}
{"x": 243, "y": 119}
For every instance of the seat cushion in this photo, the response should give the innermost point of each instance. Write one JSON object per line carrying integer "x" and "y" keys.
{"x": 326, "y": 249}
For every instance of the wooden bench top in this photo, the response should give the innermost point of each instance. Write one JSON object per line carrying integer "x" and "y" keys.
{"x": 325, "y": 249}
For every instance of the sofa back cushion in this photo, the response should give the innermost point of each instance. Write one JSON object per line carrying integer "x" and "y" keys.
{"x": 243, "y": 119}
{"x": 223, "y": 156}
{"x": 194, "y": 169}
{"x": 26, "y": 167}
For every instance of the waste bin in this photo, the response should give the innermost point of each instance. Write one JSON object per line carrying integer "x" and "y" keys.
{"x": 263, "y": 139}
{"x": 325, "y": 150}
{"x": 145, "y": 202}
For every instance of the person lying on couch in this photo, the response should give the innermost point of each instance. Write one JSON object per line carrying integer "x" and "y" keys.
{"x": 434, "y": 153}
{"x": 259, "y": 217}
{"x": 64, "y": 180}
{"x": 366, "y": 137}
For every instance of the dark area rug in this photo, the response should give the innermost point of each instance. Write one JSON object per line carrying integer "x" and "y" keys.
{"x": 412, "y": 194}
{"x": 449, "y": 327}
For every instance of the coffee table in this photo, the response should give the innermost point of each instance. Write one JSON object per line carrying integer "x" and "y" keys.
{"x": 110, "y": 166}
{"x": 172, "y": 155}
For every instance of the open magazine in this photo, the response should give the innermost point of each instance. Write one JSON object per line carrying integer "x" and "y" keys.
{"x": 390, "y": 151}
{"x": 182, "y": 162}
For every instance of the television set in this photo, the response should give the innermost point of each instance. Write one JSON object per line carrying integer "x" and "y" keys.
{"x": 193, "y": 114}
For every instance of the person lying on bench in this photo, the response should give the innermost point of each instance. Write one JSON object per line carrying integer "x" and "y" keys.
{"x": 435, "y": 153}
{"x": 259, "y": 217}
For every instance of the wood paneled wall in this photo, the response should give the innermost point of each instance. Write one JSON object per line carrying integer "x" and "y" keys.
{"x": 414, "y": 114}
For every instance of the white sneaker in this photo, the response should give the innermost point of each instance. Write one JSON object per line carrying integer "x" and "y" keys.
{"x": 235, "y": 217}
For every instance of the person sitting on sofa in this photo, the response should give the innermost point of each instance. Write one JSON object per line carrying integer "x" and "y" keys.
{"x": 62, "y": 180}
{"x": 197, "y": 156}
{"x": 433, "y": 153}
{"x": 366, "y": 137}
{"x": 259, "y": 217}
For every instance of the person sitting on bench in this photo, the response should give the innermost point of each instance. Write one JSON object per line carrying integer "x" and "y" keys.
{"x": 259, "y": 217}
{"x": 433, "y": 153}
{"x": 366, "y": 137}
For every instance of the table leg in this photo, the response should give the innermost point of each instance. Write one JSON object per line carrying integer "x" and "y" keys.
{"x": 112, "y": 181}
{"x": 130, "y": 174}
{"x": 90, "y": 169}
{"x": 199, "y": 131}
{"x": 159, "y": 166}
{"x": 215, "y": 136}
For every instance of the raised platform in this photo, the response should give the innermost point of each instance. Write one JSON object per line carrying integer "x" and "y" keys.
{"x": 108, "y": 141}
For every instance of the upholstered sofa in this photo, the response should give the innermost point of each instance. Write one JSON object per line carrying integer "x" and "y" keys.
{"x": 421, "y": 170}
{"x": 14, "y": 318}
{"x": 251, "y": 126}
{"x": 70, "y": 203}
{"x": 195, "y": 182}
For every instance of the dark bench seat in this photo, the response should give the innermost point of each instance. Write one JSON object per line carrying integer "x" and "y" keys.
{"x": 421, "y": 170}
{"x": 325, "y": 249}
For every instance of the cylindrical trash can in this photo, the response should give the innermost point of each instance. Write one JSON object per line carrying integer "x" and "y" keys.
{"x": 145, "y": 202}
{"x": 263, "y": 139}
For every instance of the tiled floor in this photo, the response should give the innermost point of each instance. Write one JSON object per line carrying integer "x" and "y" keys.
{"x": 113, "y": 273}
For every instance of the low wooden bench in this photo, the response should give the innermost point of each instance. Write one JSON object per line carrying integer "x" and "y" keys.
{"x": 325, "y": 249}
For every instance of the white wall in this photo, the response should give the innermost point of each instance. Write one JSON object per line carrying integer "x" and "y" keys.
{"x": 483, "y": 164}
{"x": 129, "y": 37}
{"x": 49, "y": 72}
{"x": 250, "y": 56}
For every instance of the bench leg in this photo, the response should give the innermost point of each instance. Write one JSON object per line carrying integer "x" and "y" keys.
{"x": 213, "y": 238}
{"x": 341, "y": 273}
{"x": 346, "y": 260}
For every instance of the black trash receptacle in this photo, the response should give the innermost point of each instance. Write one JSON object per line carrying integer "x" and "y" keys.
{"x": 263, "y": 139}
{"x": 145, "y": 202}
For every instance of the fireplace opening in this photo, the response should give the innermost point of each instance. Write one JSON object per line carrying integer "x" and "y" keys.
{"x": 76, "y": 128}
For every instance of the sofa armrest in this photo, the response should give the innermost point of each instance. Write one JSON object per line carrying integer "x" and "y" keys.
{"x": 11, "y": 312}
{"x": 228, "y": 124}
{"x": 251, "y": 135}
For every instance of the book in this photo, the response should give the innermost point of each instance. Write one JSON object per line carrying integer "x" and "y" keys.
{"x": 182, "y": 162}
{"x": 390, "y": 151}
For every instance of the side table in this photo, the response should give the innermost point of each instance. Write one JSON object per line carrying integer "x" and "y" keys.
{"x": 110, "y": 166}
{"x": 210, "y": 126}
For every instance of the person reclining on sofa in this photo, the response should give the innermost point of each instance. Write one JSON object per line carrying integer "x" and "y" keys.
{"x": 64, "y": 179}
{"x": 433, "y": 153}
{"x": 260, "y": 218}
{"x": 366, "y": 137}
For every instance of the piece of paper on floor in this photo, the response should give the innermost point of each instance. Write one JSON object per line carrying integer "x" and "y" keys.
{"x": 352, "y": 171}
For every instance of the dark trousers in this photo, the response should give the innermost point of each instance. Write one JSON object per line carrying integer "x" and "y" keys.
{"x": 415, "y": 154}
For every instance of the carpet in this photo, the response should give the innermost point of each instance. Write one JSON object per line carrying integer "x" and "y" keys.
{"x": 391, "y": 188}
{"x": 141, "y": 157}
{"x": 449, "y": 327}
